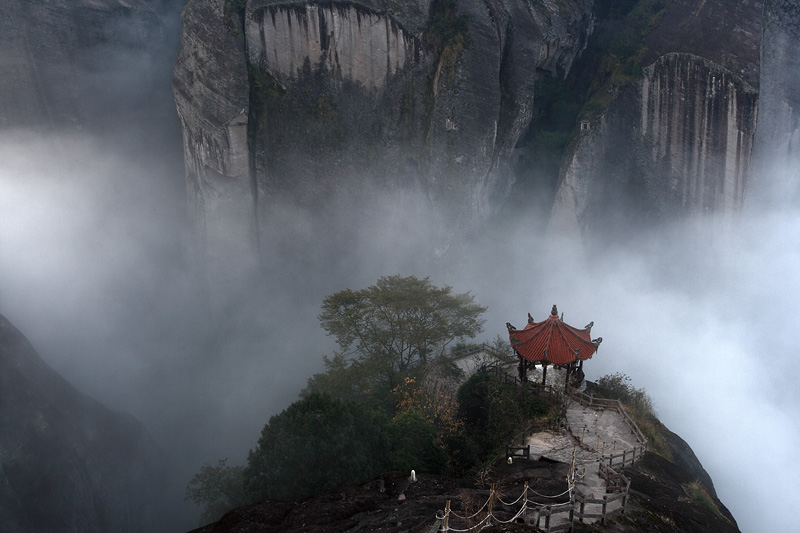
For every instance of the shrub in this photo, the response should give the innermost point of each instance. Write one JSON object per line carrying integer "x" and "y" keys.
{"x": 493, "y": 412}
{"x": 639, "y": 405}
{"x": 217, "y": 489}
{"x": 618, "y": 386}
{"x": 413, "y": 443}
{"x": 315, "y": 445}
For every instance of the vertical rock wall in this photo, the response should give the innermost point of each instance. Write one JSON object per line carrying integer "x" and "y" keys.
{"x": 344, "y": 102}
{"x": 350, "y": 42}
{"x": 212, "y": 96}
{"x": 679, "y": 141}
{"x": 698, "y": 121}
{"x": 66, "y": 65}
{"x": 776, "y": 157}
{"x": 67, "y": 463}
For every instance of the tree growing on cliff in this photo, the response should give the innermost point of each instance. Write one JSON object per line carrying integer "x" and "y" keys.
{"x": 392, "y": 330}
{"x": 217, "y": 489}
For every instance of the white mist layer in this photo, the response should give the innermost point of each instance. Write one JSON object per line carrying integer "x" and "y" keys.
{"x": 95, "y": 273}
{"x": 705, "y": 322}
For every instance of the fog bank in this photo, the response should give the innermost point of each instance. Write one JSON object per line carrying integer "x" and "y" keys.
{"x": 98, "y": 273}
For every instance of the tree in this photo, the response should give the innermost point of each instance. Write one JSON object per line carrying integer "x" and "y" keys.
{"x": 316, "y": 444}
{"x": 493, "y": 411}
{"x": 393, "y": 329}
{"x": 217, "y": 489}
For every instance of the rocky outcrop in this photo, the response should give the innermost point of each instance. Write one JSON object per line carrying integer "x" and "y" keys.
{"x": 658, "y": 502}
{"x": 342, "y": 99}
{"x": 678, "y": 140}
{"x": 67, "y": 463}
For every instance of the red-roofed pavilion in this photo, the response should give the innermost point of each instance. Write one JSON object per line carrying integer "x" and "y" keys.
{"x": 552, "y": 341}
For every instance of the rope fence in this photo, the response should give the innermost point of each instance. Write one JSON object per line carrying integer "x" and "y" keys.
{"x": 544, "y": 516}
{"x": 496, "y": 511}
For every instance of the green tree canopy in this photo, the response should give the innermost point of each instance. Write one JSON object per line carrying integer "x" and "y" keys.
{"x": 493, "y": 411}
{"x": 217, "y": 489}
{"x": 393, "y": 329}
{"x": 316, "y": 444}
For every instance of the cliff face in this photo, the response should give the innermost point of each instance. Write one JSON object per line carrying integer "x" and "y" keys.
{"x": 71, "y": 65}
{"x": 308, "y": 103}
{"x": 679, "y": 140}
{"x": 776, "y": 158}
{"x": 68, "y": 463}
{"x": 212, "y": 96}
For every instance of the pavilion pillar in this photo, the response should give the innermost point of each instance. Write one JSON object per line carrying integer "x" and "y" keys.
{"x": 522, "y": 370}
{"x": 567, "y": 377}
{"x": 544, "y": 374}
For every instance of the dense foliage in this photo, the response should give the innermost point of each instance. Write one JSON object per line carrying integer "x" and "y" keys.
{"x": 317, "y": 444}
{"x": 446, "y": 27}
{"x": 217, "y": 489}
{"x": 385, "y": 403}
{"x": 391, "y": 331}
{"x": 493, "y": 411}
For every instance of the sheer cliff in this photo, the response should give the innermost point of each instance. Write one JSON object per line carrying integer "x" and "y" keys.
{"x": 318, "y": 104}
{"x": 678, "y": 138}
{"x": 776, "y": 158}
{"x": 67, "y": 463}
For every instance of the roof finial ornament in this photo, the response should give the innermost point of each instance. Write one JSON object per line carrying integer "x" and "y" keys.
{"x": 554, "y": 311}
{"x": 530, "y": 319}
{"x": 510, "y": 327}
{"x": 589, "y": 326}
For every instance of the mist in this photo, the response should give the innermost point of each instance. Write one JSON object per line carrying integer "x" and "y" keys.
{"x": 96, "y": 272}
{"x": 100, "y": 268}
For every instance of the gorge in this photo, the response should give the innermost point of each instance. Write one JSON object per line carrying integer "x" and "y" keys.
{"x": 327, "y": 143}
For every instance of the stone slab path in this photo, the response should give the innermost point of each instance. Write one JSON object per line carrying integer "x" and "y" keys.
{"x": 589, "y": 432}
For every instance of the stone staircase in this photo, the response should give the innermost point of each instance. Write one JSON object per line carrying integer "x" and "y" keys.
{"x": 592, "y": 436}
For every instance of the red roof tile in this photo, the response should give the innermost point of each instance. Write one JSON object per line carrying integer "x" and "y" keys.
{"x": 553, "y": 340}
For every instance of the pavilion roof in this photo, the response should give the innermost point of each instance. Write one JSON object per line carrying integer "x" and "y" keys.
{"x": 553, "y": 340}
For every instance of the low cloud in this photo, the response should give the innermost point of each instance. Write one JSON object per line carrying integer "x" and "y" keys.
{"x": 95, "y": 269}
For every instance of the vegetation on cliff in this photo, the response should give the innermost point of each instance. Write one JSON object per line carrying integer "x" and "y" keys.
{"x": 612, "y": 59}
{"x": 384, "y": 403}
{"x": 387, "y": 405}
{"x": 391, "y": 331}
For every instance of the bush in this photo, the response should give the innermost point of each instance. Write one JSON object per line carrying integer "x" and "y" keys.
{"x": 618, "y": 386}
{"x": 414, "y": 443}
{"x": 315, "y": 445}
{"x": 639, "y": 405}
{"x": 217, "y": 489}
{"x": 493, "y": 412}
{"x": 320, "y": 443}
